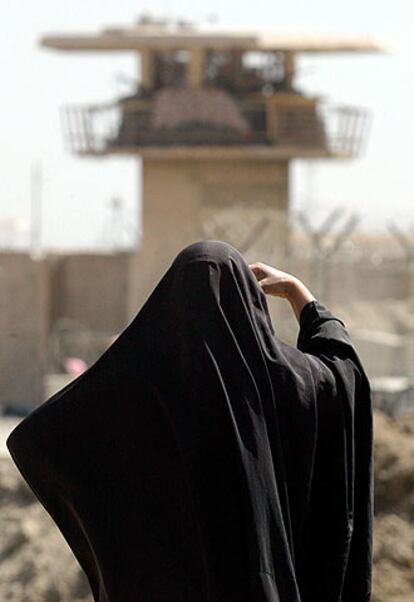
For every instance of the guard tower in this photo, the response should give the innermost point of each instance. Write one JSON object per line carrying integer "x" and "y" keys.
{"x": 216, "y": 118}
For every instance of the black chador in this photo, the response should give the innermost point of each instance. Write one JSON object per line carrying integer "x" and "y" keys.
{"x": 203, "y": 459}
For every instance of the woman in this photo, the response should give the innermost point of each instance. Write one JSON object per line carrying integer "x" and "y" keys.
{"x": 201, "y": 458}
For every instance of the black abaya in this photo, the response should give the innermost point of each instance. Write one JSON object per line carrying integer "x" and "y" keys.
{"x": 203, "y": 459}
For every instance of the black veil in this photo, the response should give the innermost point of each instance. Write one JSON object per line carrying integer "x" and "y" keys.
{"x": 201, "y": 458}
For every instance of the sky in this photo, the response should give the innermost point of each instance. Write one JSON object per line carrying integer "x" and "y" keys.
{"x": 77, "y": 192}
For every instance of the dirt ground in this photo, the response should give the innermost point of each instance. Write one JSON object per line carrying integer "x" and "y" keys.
{"x": 36, "y": 564}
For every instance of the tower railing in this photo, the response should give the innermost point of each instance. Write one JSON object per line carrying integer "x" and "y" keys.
{"x": 321, "y": 129}
{"x": 347, "y": 128}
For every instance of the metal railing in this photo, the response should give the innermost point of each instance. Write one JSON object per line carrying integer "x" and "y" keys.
{"x": 347, "y": 128}
{"x": 331, "y": 130}
{"x": 88, "y": 129}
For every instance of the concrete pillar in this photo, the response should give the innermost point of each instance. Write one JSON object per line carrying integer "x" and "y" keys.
{"x": 195, "y": 67}
{"x": 243, "y": 202}
{"x": 147, "y": 67}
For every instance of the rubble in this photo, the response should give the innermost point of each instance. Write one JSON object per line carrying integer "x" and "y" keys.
{"x": 37, "y": 565}
{"x": 393, "y": 574}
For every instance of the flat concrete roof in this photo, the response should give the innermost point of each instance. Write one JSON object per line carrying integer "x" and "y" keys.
{"x": 262, "y": 152}
{"x": 148, "y": 36}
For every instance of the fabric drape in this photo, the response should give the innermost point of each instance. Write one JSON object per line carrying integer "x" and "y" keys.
{"x": 203, "y": 459}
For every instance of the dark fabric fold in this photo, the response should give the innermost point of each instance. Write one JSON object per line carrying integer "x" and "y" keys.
{"x": 202, "y": 458}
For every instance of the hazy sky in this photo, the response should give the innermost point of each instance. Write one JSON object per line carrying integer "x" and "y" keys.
{"x": 76, "y": 192}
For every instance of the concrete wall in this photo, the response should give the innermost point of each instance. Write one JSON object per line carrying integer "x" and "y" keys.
{"x": 91, "y": 289}
{"x": 382, "y": 353}
{"x": 340, "y": 279}
{"x": 24, "y": 313}
{"x": 103, "y": 292}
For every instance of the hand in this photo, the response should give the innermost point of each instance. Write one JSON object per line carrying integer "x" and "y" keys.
{"x": 271, "y": 280}
{"x": 282, "y": 284}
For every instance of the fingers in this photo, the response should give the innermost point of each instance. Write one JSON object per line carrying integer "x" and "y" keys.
{"x": 263, "y": 276}
{"x": 259, "y": 270}
{"x": 271, "y": 280}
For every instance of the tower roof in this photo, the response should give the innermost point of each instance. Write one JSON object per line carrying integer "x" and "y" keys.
{"x": 141, "y": 36}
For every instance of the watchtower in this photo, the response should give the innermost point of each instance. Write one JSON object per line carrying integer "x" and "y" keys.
{"x": 216, "y": 118}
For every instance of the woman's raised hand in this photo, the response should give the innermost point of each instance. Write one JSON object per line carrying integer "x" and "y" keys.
{"x": 271, "y": 280}
{"x": 282, "y": 284}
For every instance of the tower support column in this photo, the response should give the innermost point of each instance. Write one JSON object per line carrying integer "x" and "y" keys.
{"x": 243, "y": 202}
